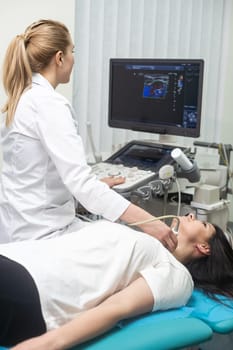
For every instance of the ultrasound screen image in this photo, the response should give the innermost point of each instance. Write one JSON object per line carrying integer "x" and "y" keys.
{"x": 155, "y": 86}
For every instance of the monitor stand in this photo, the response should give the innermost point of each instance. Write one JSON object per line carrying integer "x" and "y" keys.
{"x": 170, "y": 140}
{"x": 165, "y": 139}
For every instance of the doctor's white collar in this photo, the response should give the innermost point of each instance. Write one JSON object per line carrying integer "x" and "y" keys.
{"x": 38, "y": 79}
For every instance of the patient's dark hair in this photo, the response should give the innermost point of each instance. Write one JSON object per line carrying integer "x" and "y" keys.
{"x": 213, "y": 274}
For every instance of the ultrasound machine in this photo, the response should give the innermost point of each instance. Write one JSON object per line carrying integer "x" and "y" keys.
{"x": 164, "y": 97}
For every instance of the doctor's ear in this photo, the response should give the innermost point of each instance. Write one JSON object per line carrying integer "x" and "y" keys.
{"x": 203, "y": 248}
{"x": 59, "y": 58}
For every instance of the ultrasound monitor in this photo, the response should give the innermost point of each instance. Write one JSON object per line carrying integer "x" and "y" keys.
{"x": 160, "y": 96}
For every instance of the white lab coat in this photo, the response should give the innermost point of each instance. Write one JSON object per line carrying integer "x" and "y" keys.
{"x": 44, "y": 169}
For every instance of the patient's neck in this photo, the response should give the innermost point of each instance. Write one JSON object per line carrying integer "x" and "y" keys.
{"x": 183, "y": 253}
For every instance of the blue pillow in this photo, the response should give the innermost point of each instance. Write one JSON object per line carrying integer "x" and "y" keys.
{"x": 218, "y": 316}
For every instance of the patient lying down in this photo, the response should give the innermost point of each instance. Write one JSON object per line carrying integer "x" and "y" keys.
{"x": 64, "y": 291}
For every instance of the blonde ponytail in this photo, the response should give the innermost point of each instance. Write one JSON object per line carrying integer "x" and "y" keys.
{"x": 17, "y": 75}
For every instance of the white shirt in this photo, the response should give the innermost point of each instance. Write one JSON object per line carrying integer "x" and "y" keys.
{"x": 77, "y": 271}
{"x": 44, "y": 168}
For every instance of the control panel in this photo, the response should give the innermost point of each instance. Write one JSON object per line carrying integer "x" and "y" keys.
{"x": 134, "y": 177}
{"x": 138, "y": 161}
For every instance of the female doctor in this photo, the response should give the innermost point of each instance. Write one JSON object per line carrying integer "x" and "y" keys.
{"x": 44, "y": 166}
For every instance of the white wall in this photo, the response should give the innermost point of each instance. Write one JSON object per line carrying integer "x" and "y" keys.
{"x": 15, "y": 16}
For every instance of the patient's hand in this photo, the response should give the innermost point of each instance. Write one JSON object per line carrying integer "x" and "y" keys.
{"x": 112, "y": 180}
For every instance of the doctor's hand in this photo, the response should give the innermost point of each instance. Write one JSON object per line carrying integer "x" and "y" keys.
{"x": 162, "y": 232}
{"x": 136, "y": 216}
{"x": 113, "y": 180}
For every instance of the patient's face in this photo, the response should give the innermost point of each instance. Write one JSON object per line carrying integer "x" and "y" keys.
{"x": 195, "y": 231}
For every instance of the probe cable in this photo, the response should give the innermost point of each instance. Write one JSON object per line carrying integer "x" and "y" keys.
{"x": 175, "y": 229}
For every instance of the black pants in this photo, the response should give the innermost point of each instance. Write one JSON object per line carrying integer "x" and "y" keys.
{"x": 20, "y": 310}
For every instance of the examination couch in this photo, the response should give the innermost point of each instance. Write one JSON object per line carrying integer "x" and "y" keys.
{"x": 194, "y": 324}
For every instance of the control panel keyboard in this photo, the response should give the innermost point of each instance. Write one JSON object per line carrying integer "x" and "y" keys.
{"x": 134, "y": 177}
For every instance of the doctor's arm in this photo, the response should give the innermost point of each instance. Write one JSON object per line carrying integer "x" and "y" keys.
{"x": 134, "y": 300}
